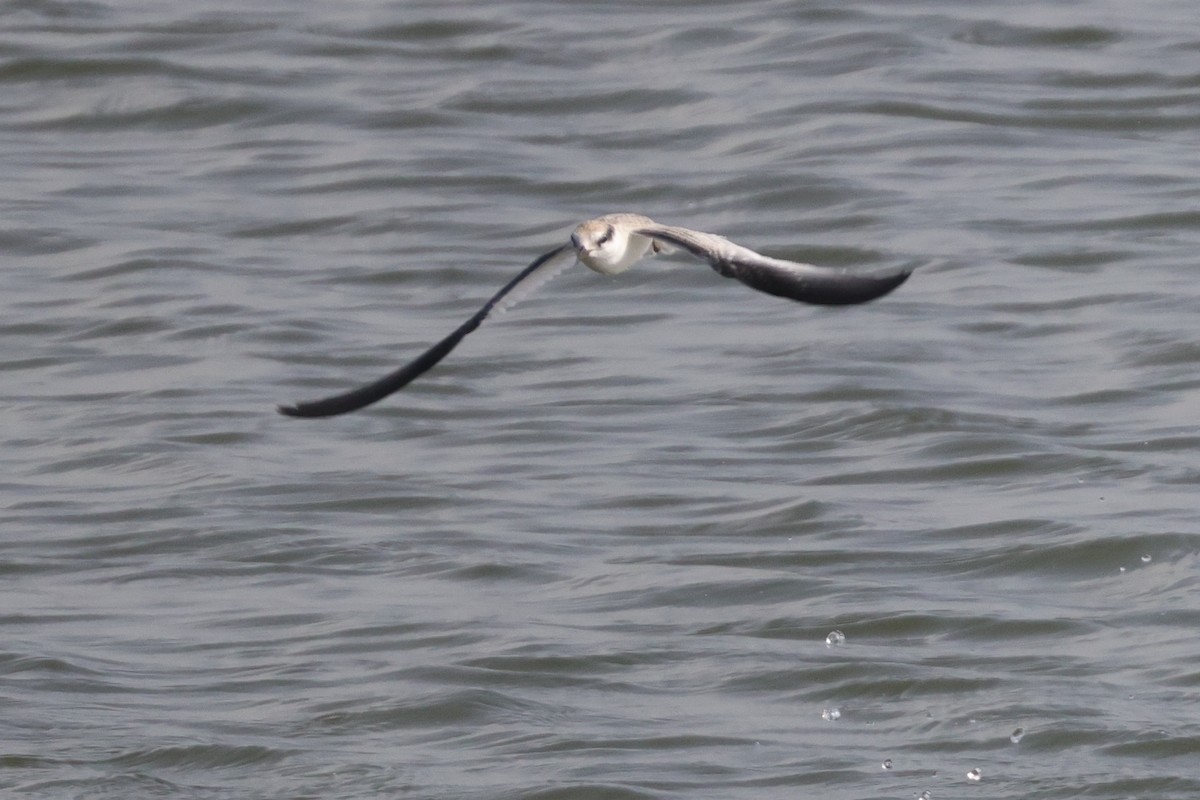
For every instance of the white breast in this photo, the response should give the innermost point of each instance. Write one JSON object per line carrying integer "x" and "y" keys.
{"x": 617, "y": 256}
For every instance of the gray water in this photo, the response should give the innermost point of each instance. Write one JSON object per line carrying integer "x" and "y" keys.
{"x": 598, "y": 551}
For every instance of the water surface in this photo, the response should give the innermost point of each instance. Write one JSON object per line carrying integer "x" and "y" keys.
{"x": 598, "y": 551}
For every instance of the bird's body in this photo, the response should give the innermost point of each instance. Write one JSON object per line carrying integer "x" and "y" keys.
{"x": 610, "y": 245}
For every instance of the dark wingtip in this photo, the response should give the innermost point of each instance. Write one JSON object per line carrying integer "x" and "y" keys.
{"x": 897, "y": 278}
{"x": 373, "y": 392}
{"x": 885, "y": 284}
{"x": 845, "y": 289}
{"x": 871, "y": 287}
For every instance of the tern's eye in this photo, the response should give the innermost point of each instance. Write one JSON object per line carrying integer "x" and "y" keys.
{"x": 606, "y": 236}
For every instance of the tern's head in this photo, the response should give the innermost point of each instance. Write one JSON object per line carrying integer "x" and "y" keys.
{"x": 606, "y": 246}
{"x": 596, "y": 238}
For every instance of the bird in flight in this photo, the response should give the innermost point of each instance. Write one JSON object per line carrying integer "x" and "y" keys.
{"x": 610, "y": 245}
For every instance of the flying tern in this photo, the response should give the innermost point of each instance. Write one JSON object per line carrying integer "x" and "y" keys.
{"x": 610, "y": 245}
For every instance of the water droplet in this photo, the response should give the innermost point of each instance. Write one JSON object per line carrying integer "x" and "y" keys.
{"x": 887, "y": 763}
{"x": 975, "y": 775}
{"x": 835, "y": 638}
{"x": 1122, "y": 569}
{"x": 1146, "y": 559}
{"x": 830, "y": 714}
{"x": 1016, "y": 735}
{"x": 925, "y": 795}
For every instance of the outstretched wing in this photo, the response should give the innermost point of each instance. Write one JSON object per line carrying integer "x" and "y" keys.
{"x": 541, "y": 270}
{"x": 791, "y": 279}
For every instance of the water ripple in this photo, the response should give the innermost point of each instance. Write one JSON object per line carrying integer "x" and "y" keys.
{"x": 599, "y": 551}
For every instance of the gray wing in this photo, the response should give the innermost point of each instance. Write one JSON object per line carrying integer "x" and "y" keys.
{"x": 541, "y": 270}
{"x": 791, "y": 279}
